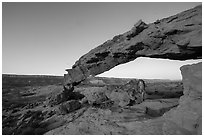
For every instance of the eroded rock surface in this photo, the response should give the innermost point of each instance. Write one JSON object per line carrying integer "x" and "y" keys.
{"x": 95, "y": 95}
{"x": 69, "y": 106}
{"x": 148, "y": 117}
{"x": 60, "y": 96}
{"x": 93, "y": 114}
{"x": 188, "y": 115}
{"x": 116, "y": 120}
{"x": 119, "y": 95}
{"x": 177, "y": 37}
{"x": 158, "y": 107}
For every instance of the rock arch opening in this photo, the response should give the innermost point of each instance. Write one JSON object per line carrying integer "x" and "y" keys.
{"x": 168, "y": 38}
{"x": 178, "y": 37}
{"x": 149, "y": 68}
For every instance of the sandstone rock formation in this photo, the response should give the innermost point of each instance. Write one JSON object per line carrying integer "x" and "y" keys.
{"x": 116, "y": 121}
{"x": 142, "y": 119}
{"x": 123, "y": 95}
{"x": 61, "y": 96}
{"x": 177, "y": 37}
{"x": 188, "y": 115}
{"x": 95, "y": 95}
{"x": 119, "y": 97}
{"x": 158, "y": 107}
{"x": 69, "y": 106}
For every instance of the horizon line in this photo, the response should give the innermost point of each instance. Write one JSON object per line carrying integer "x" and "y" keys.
{"x": 94, "y": 76}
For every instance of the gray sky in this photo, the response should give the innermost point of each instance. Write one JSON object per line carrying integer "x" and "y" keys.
{"x": 47, "y": 38}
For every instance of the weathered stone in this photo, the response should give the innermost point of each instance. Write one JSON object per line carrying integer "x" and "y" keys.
{"x": 58, "y": 97}
{"x": 95, "y": 95}
{"x": 159, "y": 107}
{"x": 171, "y": 128}
{"x": 177, "y": 37}
{"x": 123, "y": 95}
{"x": 28, "y": 122}
{"x": 84, "y": 100}
{"x": 64, "y": 95}
{"x": 120, "y": 97}
{"x": 74, "y": 76}
{"x": 188, "y": 115}
{"x": 69, "y": 106}
{"x": 138, "y": 27}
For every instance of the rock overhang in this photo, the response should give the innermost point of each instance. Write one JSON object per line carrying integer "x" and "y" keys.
{"x": 178, "y": 37}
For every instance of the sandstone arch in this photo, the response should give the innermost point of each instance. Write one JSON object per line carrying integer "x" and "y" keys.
{"x": 178, "y": 37}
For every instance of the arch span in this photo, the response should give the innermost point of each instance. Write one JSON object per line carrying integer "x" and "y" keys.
{"x": 178, "y": 37}
{"x": 149, "y": 68}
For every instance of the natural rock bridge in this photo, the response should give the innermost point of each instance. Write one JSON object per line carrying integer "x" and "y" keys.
{"x": 178, "y": 37}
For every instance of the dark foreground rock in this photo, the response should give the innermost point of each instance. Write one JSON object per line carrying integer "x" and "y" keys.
{"x": 69, "y": 106}
{"x": 29, "y": 123}
{"x": 60, "y": 96}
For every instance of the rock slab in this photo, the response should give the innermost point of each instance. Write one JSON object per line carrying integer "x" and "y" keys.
{"x": 188, "y": 115}
{"x": 69, "y": 106}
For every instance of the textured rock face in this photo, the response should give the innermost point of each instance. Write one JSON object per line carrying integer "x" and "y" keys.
{"x": 69, "y": 106}
{"x": 177, "y": 37}
{"x": 117, "y": 121}
{"x": 119, "y": 97}
{"x": 96, "y": 95}
{"x": 61, "y": 96}
{"x": 126, "y": 94}
{"x": 158, "y": 107}
{"x": 188, "y": 115}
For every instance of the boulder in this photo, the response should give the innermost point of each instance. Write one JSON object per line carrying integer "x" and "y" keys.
{"x": 63, "y": 95}
{"x": 119, "y": 97}
{"x": 177, "y": 37}
{"x": 69, "y": 106}
{"x": 75, "y": 76}
{"x": 123, "y": 95}
{"x": 95, "y": 95}
{"x": 188, "y": 115}
{"x": 58, "y": 97}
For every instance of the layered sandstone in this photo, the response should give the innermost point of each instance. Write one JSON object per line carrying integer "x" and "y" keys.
{"x": 177, "y": 37}
{"x": 188, "y": 115}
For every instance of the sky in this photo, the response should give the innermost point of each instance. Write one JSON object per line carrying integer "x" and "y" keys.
{"x": 47, "y": 38}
